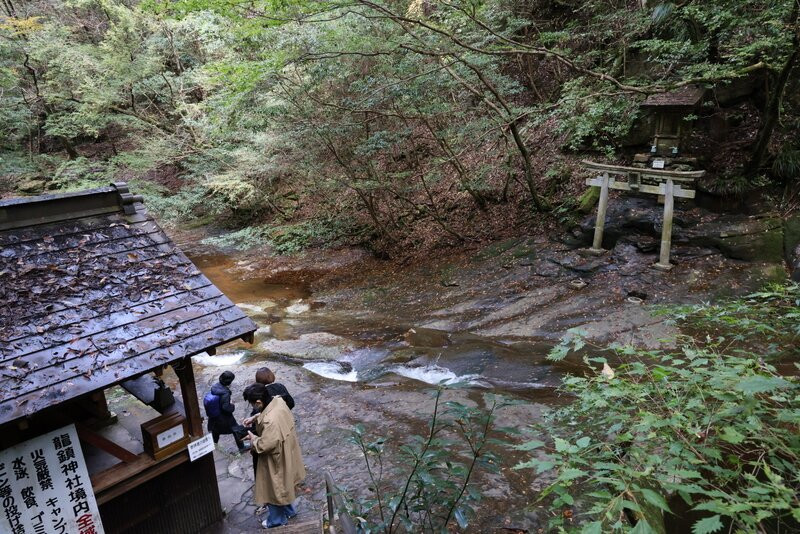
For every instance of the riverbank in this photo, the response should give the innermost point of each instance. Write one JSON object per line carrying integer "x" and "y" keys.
{"x": 358, "y": 341}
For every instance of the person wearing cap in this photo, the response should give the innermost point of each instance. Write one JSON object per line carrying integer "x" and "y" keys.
{"x": 220, "y": 418}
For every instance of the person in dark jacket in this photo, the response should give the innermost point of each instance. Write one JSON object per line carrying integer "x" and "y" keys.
{"x": 265, "y": 376}
{"x": 225, "y": 423}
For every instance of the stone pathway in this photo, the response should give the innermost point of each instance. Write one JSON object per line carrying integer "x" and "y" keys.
{"x": 235, "y": 480}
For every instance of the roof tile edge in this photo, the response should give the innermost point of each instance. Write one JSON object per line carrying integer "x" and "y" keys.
{"x": 42, "y": 209}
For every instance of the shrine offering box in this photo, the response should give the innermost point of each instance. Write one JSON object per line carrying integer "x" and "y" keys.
{"x": 165, "y": 435}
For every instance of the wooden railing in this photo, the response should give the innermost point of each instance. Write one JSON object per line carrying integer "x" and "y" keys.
{"x": 336, "y": 509}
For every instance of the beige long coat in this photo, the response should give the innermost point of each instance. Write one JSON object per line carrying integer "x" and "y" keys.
{"x": 280, "y": 464}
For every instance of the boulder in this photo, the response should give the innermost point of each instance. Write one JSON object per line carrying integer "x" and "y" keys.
{"x": 312, "y": 346}
{"x": 588, "y": 199}
{"x": 426, "y": 337}
{"x": 31, "y": 186}
{"x": 750, "y": 239}
{"x": 627, "y": 215}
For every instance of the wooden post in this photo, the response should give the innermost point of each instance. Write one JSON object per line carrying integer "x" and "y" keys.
{"x": 185, "y": 374}
{"x": 666, "y": 230}
{"x": 597, "y": 245}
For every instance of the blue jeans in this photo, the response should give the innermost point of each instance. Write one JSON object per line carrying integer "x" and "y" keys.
{"x": 279, "y": 515}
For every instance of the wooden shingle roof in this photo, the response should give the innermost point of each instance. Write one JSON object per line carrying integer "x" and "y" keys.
{"x": 92, "y": 292}
{"x": 688, "y": 96}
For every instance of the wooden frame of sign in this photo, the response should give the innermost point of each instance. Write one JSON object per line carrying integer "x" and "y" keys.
{"x": 669, "y": 184}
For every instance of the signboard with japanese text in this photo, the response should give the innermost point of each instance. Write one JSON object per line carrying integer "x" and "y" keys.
{"x": 200, "y": 447}
{"x": 45, "y": 488}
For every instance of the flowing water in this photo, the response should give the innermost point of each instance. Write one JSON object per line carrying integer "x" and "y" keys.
{"x": 366, "y": 346}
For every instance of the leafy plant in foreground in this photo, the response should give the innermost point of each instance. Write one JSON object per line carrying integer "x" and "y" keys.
{"x": 703, "y": 435}
{"x": 437, "y": 488}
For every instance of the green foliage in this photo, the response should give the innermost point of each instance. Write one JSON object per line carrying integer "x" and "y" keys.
{"x": 431, "y": 486}
{"x": 393, "y": 115}
{"x": 284, "y": 239}
{"x": 787, "y": 164}
{"x": 595, "y": 117}
{"x": 767, "y": 321}
{"x": 708, "y": 424}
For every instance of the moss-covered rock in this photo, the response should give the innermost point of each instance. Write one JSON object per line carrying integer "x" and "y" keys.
{"x": 496, "y": 249}
{"x": 753, "y": 240}
{"x": 31, "y": 186}
{"x": 588, "y": 199}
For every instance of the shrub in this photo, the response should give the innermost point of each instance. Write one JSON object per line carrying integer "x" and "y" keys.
{"x": 436, "y": 488}
{"x": 711, "y": 428}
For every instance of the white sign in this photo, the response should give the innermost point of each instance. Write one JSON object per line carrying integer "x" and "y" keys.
{"x": 169, "y": 436}
{"x": 200, "y": 447}
{"x": 45, "y": 488}
{"x": 658, "y": 163}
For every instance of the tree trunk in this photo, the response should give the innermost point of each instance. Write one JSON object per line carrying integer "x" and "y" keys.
{"x": 772, "y": 111}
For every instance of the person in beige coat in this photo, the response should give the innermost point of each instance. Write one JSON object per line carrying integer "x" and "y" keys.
{"x": 280, "y": 463}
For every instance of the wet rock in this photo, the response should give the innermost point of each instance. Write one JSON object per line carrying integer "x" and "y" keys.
{"x": 298, "y": 307}
{"x": 643, "y": 243}
{"x": 632, "y": 325}
{"x": 426, "y": 337}
{"x": 403, "y": 356}
{"x": 546, "y": 268}
{"x": 629, "y": 260}
{"x": 265, "y": 312}
{"x": 750, "y": 239}
{"x": 523, "y": 305}
{"x": 627, "y": 215}
{"x": 262, "y": 334}
{"x": 314, "y": 346}
{"x": 741, "y": 237}
{"x": 581, "y": 264}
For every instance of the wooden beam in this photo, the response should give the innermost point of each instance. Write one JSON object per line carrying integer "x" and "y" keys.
{"x": 122, "y": 478}
{"x": 93, "y": 438}
{"x": 185, "y": 373}
{"x": 678, "y": 191}
{"x": 620, "y": 169}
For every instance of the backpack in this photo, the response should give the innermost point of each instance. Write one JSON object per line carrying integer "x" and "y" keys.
{"x": 211, "y": 404}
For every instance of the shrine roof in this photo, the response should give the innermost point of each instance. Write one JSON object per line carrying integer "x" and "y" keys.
{"x": 688, "y": 96}
{"x": 93, "y": 292}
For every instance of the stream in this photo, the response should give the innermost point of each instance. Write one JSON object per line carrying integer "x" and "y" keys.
{"x": 365, "y": 348}
{"x": 368, "y": 346}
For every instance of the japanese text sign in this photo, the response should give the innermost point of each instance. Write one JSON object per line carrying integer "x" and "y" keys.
{"x": 200, "y": 447}
{"x": 45, "y": 488}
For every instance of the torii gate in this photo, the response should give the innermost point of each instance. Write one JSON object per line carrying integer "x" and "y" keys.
{"x": 653, "y": 181}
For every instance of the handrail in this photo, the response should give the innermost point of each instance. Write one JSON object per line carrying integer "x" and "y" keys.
{"x": 335, "y": 504}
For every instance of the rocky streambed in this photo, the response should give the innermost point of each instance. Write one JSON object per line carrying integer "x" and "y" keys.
{"x": 361, "y": 342}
